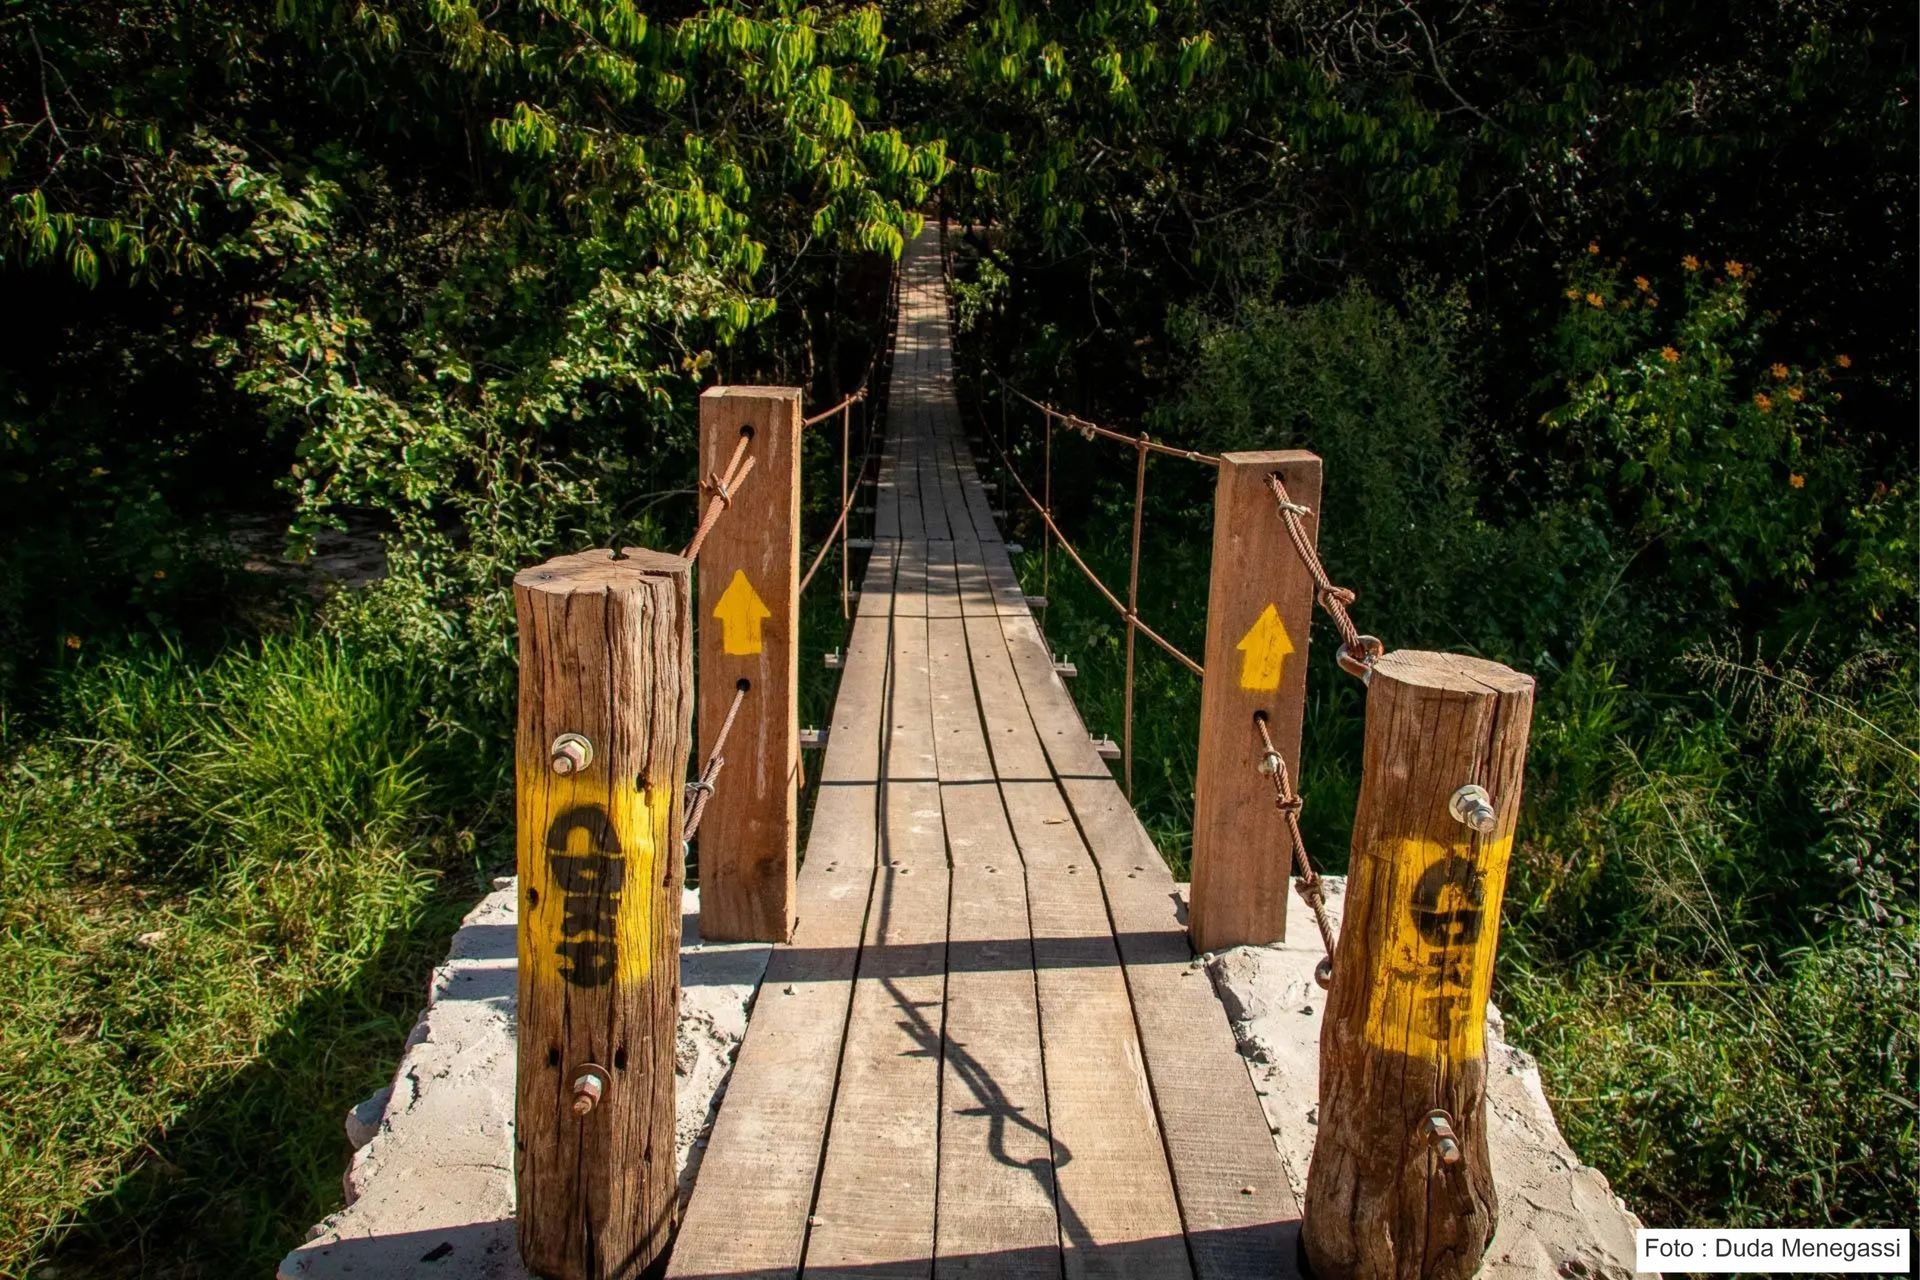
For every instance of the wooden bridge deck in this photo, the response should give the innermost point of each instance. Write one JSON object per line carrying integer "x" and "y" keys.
{"x": 985, "y": 1051}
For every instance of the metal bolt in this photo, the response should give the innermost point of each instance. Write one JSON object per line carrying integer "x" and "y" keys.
{"x": 1440, "y": 1136}
{"x": 1323, "y": 973}
{"x": 1473, "y": 806}
{"x": 1270, "y": 762}
{"x": 587, "y": 1088}
{"x": 570, "y": 753}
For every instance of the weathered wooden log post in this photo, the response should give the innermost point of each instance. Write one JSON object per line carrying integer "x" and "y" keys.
{"x": 749, "y": 571}
{"x": 606, "y": 706}
{"x": 1400, "y": 1184}
{"x": 1259, "y": 607}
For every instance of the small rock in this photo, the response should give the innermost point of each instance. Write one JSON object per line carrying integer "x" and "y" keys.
{"x": 363, "y": 1120}
{"x": 1246, "y": 1191}
{"x": 787, "y": 990}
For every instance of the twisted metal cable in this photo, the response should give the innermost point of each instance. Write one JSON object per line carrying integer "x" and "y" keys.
{"x": 1132, "y": 619}
{"x": 739, "y": 467}
{"x": 1357, "y": 652}
{"x": 1307, "y": 881}
{"x": 700, "y": 790}
{"x": 1092, "y": 429}
{"x": 858, "y": 394}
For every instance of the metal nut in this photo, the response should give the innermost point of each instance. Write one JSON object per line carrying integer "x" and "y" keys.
{"x": 1440, "y": 1136}
{"x": 588, "y": 1087}
{"x": 570, "y": 753}
{"x": 1473, "y": 806}
{"x": 1270, "y": 762}
{"x": 1323, "y": 973}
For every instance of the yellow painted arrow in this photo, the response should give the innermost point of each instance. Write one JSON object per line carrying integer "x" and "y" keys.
{"x": 1266, "y": 646}
{"x": 741, "y": 611}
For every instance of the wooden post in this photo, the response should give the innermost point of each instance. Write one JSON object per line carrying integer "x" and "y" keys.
{"x": 749, "y": 575}
{"x": 1400, "y": 1184}
{"x": 606, "y": 704}
{"x": 1259, "y": 608}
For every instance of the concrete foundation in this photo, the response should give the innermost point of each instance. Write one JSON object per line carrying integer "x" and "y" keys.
{"x": 430, "y": 1186}
{"x": 1558, "y": 1217}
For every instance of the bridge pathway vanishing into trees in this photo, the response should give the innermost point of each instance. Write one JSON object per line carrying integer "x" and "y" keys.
{"x": 986, "y": 1049}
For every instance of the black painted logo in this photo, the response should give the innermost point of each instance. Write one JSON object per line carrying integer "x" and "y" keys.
{"x": 590, "y": 886}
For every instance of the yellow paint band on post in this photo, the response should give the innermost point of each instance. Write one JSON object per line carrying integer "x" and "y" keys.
{"x": 1443, "y": 925}
{"x": 588, "y": 863}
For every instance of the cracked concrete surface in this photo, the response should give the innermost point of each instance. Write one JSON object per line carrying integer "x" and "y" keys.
{"x": 430, "y": 1188}
{"x": 1559, "y": 1218}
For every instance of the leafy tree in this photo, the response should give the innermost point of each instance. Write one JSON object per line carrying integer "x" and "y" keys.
{"x": 461, "y": 265}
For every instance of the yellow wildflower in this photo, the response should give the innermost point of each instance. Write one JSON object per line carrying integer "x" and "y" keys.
{"x": 1670, "y": 355}
{"x": 1735, "y": 269}
{"x": 1844, "y": 360}
{"x": 1642, "y": 284}
{"x": 73, "y": 642}
{"x": 1593, "y": 246}
{"x": 1690, "y": 262}
{"x": 1653, "y": 303}
{"x": 1797, "y": 480}
{"x": 1779, "y": 372}
{"x": 1762, "y": 401}
{"x": 1573, "y": 295}
{"x": 1795, "y": 394}
{"x": 1595, "y": 300}
{"x": 159, "y": 575}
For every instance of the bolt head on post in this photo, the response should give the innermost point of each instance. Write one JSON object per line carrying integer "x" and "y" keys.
{"x": 570, "y": 754}
{"x": 1473, "y": 806}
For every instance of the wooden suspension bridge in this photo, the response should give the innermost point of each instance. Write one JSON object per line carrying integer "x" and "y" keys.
{"x": 981, "y": 1047}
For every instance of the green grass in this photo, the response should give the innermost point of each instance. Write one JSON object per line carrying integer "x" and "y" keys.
{"x": 224, "y": 880}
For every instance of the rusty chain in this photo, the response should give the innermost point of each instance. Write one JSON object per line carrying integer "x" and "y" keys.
{"x": 1357, "y": 652}
{"x": 1307, "y": 882}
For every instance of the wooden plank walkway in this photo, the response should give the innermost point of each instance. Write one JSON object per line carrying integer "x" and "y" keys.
{"x": 984, "y": 1052}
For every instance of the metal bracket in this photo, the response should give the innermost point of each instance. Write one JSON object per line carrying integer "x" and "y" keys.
{"x": 834, "y": 661}
{"x": 1036, "y": 602}
{"x": 813, "y": 739}
{"x": 1065, "y": 669}
{"x": 1107, "y": 748}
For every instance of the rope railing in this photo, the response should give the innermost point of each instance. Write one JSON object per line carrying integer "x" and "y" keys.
{"x": 1357, "y": 652}
{"x": 1131, "y": 617}
{"x": 881, "y": 364}
{"x": 1306, "y": 880}
{"x": 700, "y": 790}
{"x": 1090, "y": 430}
{"x": 853, "y": 397}
{"x": 722, "y": 487}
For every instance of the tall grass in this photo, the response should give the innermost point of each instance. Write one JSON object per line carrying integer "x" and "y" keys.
{"x": 221, "y": 881}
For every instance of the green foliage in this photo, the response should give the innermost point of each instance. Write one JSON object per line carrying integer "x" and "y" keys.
{"x": 462, "y": 266}
{"x": 1719, "y": 1068}
{"x": 220, "y": 880}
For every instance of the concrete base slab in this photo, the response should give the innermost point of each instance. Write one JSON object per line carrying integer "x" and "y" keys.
{"x": 1558, "y": 1217}
{"x": 430, "y": 1188}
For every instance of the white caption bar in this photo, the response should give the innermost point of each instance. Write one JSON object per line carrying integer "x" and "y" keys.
{"x": 1870, "y": 1250}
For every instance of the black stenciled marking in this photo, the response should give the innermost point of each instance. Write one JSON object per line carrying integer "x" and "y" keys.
{"x": 591, "y": 883}
{"x": 1448, "y": 910}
